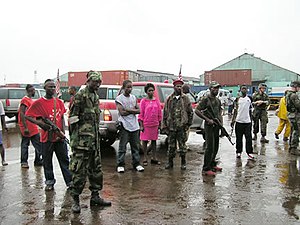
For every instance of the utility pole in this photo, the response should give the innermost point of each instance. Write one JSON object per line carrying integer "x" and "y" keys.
{"x": 35, "y": 77}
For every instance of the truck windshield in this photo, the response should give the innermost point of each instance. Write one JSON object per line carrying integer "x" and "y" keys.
{"x": 164, "y": 92}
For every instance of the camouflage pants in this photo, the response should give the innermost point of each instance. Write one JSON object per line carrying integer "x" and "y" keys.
{"x": 294, "y": 139}
{"x": 262, "y": 116}
{"x": 83, "y": 164}
{"x": 179, "y": 136}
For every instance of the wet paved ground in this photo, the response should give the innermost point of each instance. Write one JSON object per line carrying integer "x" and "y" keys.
{"x": 266, "y": 191}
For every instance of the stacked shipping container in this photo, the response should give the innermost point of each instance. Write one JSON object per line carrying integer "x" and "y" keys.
{"x": 229, "y": 77}
{"x": 108, "y": 77}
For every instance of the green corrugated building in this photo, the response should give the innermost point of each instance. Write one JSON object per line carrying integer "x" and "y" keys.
{"x": 261, "y": 70}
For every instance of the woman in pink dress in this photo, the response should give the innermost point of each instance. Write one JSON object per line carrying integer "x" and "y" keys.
{"x": 150, "y": 117}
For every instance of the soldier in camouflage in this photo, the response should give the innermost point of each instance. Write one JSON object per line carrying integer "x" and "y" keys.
{"x": 85, "y": 142}
{"x": 260, "y": 103}
{"x": 177, "y": 118}
{"x": 293, "y": 108}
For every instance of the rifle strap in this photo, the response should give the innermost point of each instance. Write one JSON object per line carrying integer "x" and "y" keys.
{"x": 54, "y": 111}
{"x": 50, "y": 132}
{"x": 211, "y": 107}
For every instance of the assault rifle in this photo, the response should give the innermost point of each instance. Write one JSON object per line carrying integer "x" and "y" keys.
{"x": 219, "y": 124}
{"x": 223, "y": 130}
{"x": 55, "y": 129}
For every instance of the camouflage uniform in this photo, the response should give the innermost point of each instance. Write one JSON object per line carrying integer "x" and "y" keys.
{"x": 177, "y": 118}
{"x": 85, "y": 142}
{"x": 260, "y": 113}
{"x": 293, "y": 108}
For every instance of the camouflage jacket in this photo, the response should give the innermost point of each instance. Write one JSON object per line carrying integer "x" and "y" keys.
{"x": 84, "y": 120}
{"x": 186, "y": 117}
{"x": 292, "y": 102}
{"x": 263, "y": 97}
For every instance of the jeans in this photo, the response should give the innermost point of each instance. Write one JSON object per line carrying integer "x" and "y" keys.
{"x": 61, "y": 152}
{"x": 133, "y": 139}
{"x": 35, "y": 140}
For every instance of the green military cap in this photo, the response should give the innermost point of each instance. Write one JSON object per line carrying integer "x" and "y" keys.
{"x": 295, "y": 83}
{"x": 94, "y": 75}
{"x": 262, "y": 85}
{"x": 214, "y": 84}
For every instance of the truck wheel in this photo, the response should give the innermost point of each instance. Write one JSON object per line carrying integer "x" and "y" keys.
{"x": 107, "y": 141}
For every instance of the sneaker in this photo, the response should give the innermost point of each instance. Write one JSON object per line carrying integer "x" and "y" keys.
{"x": 209, "y": 173}
{"x": 217, "y": 169}
{"x": 120, "y": 169}
{"x": 25, "y": 165}
{"x": 285, "y": 139}
{"x": 4, "y": 163}
{"x": 276, "y": 136}
{"x": 238, "y": 155}
{"x": 139, "y": 168}
{"x": 250, "y": 157}
{"x": 49, "y": 187}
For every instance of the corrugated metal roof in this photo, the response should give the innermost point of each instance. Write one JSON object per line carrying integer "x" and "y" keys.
{"x": 261, "y": 69}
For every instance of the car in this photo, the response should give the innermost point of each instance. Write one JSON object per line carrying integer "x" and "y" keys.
{"x": 109, "y": 113}
{"x": 224, "y": 92}
{"x": 12, "y": 96}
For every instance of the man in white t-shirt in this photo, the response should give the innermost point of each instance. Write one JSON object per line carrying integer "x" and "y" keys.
{"x": 127, "y": 110}
{"x": 242, "y": 120}
{"x": 2, "y": 124}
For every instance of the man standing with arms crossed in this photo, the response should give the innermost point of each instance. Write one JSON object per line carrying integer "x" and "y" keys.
{"x": 85, "y": 142}
{"x": 29, "y": 131}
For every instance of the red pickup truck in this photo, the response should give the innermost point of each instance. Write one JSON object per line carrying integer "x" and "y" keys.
{"x": 109, "y": 114}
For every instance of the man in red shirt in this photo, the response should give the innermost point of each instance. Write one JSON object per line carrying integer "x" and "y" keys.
{"x": 52, "y": 108}
{"x": 29, "y": 131}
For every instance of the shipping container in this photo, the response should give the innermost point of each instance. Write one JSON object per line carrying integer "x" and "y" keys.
{"x": 76, "y": 78}
{"x": 228, "y": 77}
{"x": 115, "y": 77}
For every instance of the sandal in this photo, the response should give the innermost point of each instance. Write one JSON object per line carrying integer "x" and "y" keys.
{"x": 145, "y": 163}
{"x": 154, "y": 161}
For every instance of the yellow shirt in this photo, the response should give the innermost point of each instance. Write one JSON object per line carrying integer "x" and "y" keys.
{"x": 282, "y": 111}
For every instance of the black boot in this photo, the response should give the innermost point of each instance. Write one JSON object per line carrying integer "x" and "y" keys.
{"x": 96, "y": 200}
{"x": 169, "y": 164}
{"x": 183, "y": 162}
{"x": 76, "y": 205}
{"x": 264, "y": 140}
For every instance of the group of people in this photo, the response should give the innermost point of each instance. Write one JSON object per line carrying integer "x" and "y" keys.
{"x": 138, "y": 122}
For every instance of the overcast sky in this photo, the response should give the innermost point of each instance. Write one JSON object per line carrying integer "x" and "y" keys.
{"x": 156, "y": 35}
